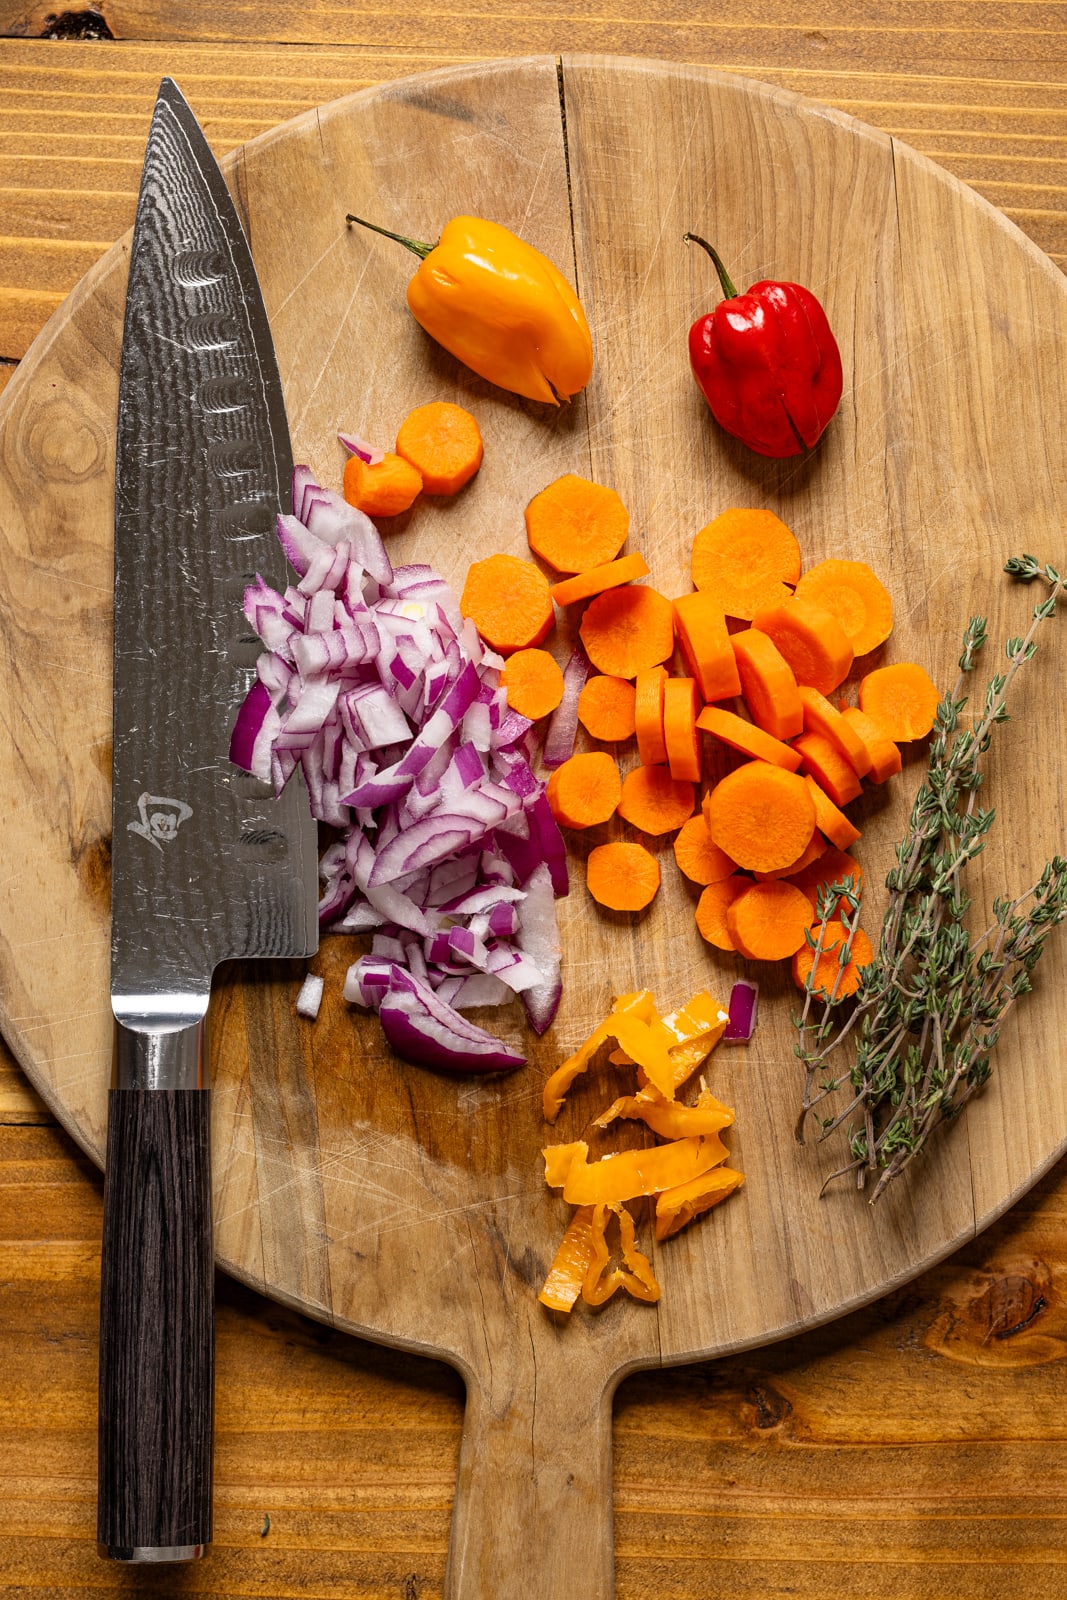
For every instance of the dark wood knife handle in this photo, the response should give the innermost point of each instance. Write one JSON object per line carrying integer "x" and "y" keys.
{"x": 157, "y": 1301}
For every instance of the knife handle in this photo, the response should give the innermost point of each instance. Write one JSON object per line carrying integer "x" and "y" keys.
{"x": 156, "y": 1402}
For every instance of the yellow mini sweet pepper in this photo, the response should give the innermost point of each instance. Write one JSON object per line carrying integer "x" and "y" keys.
{"x": 500, "y": 307}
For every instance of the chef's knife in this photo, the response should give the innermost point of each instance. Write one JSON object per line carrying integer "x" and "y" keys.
{"x": 206, "y": 864}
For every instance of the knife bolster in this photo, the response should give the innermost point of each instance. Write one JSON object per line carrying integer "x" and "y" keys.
{"x": 157, "y": 1058}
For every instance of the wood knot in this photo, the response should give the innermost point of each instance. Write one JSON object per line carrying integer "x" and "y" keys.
{"x": 769, "y": 1407}
{"x": 1010, "y": 1303}
{"x": 78, "y": 24}
{"x": 1004, "y": 1316}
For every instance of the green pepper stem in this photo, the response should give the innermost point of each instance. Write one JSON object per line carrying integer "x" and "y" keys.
{"x": 420, "y": 249}
{"x": 724, "y": 277}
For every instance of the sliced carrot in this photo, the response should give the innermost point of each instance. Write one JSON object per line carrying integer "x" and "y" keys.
{"x": 680, "y": 707}
{"x": 534, "y": 683}
{"x": 606, "y": 708}
{"x": 654, "y": 801}
{"x": 901, "y": 699}
{"x": 648, "y": 715}
{"x": 811, "y": 640}
{"x": 622, "y": 876}
{"x": 828, "y": 819}
{"x": 833, "y": 866}
{"x": 585, "y": 790}
{"x": 712, "y": 908}
{"x": 626, "y": 631}
{"x": 746, "y": 737}
{"x": 444, "y": 445}
{"x": 575, "y": 524}
{"x": 768, "y": 684}
{"x": 700, "y": 624}
{"x": 507, "y": 599}
{"x": 817, "y": 847}
{"x": 856, "y": 596}
{"x": 384, "y": 490}
{"x": 768, "y": 922}
{"x": 697, "y": 854}
{"x": 761, "y": 815}
{"x": 745, "y": 559}
{"x": 884, "y": 754}
{"x": 597, "y": 579}
{"x": 834, "y": 775}
{"x": 826, "y": 980}
{"x": 823, "y": 718}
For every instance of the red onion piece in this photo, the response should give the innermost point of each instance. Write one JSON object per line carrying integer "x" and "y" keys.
{"x": 744, "y": 1001}
{"x": 559, "y": 741}
{"x": 356, "y": 446}
{"x": 309, "y": 999}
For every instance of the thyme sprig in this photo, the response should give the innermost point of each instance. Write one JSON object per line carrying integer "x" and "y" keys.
{"x": 930, "y": 1006}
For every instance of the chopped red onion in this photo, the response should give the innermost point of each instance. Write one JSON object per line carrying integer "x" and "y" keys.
{"x": 559, "y": 740}
{"x": 356, "y": 446}
{"x": 744, "y": 1000}
{"x": 309, "y": 999}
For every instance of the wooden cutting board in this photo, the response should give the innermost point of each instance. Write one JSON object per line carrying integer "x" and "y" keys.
{"x": 408, "y": 1207}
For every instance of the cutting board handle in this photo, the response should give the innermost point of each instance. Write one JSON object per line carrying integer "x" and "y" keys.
{"x": 533, "y": 1511}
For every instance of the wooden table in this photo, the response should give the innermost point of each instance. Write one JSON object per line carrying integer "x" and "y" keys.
{"x": 910, "y": 1450}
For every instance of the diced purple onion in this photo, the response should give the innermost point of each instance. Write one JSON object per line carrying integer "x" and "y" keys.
{"x": 559, "y": 740}
{"x": 744, "y": 1001}
{"x": 309, "y": 999}
{"x": 356, "y": 446}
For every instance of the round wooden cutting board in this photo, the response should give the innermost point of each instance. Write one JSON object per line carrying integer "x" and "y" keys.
{"x": 410, "y": 1207}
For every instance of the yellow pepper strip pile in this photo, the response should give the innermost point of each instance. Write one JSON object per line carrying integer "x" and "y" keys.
{"x": 685, "y": 1175}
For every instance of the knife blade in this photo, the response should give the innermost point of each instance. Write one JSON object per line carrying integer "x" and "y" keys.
{"x": 207, "y": 865}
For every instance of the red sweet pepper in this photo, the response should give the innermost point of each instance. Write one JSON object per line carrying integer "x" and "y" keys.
{"x": 767, "y": 363}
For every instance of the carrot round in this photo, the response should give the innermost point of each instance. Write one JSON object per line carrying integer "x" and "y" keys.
{"x": 833, "y": 866}
{"x": 811, "y": 640}
{"x": 713, "y": 907}
{"x": 768, "y": 684}
{"x": 680, "y": 707}
{"x": 768, "y": 922}
{"x": 606, "y": 708}
{"x": 534, "y": 683}
{"x": 745, "y": 559}
{"x": 834, "y": 936}
{"x": 746, "y": 737}
{"x": 700, "y": 624}
{"x": 834, "y": 775}
{"x": 585, "y": 790}
{"x": 824, "y": 719}
{"x": 384, "y": 490}
{"x": 654, "y": 801}
{"x": 626, "y": 631}
{"x": 829, "y": 819}
{"x": 856, "y": 596}
{"x": 816, "y": 847}
{"x": 901, "y": 699}
{"x": 761, "y": 815}
{"x": 507, "y": 599}
{"x": 621, "y": 876}
{"x": 697, "y": 854}
{"x": 883, "y": 753}
{"x": 444, "y": 445}
{"x": 585, "y": 584}
{"x": 575, "y": 524}
{"x": 648, "y": 715}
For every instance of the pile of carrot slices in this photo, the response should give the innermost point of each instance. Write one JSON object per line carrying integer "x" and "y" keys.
{"x": 683, "y": 1174}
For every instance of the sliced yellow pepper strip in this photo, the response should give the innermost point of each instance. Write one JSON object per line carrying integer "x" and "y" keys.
{"x": 697, "y": 1028}
{"x": 678, "y": 1206}
{"x": 670, "y": 1118}
{"x": 568, "y": 1271}
{"x": 631, "y": 1172}
{"x": 635, "y": 1275}
{"x": 636, "y": 1027}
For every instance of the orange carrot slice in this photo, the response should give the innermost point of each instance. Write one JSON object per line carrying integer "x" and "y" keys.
{"x": 712, "y": 908}
{"x": 811, "y": 640}
{"x": 834, "y": 775}
{"x": 606, "y": 708}
{"x": 507, "y": 599}
{"x": 585, "y": 790}
{"x": 384, "y": 490}
{"x": 705, "y": 641}
{"x": 697, "y": 854}
{"x": 680, "y": 707}
{"x": 827, "y": 980}
{"x": 746, "y": 737}
{"x": 654, "y": 801}
{"x": 857, "y": 598}
{"x": 648, "y": 715}
{"x": 768, "y": 922}
{"x": 585, "y": 584}
{"x": 817, "y": 847}
{"x": 745, "y": 559}
{"x": 444, "y": 445}
{"x": 901, "y": 698}
{"x": 534, "y": 683}
{"x": 622, "y": 876}
{"x": 575, "y": 524}
{"x": 823, "y": 718}
{"x": 883, "y": 753}
{"x": 626, "y": 631}
{"x": 828, "y": 819}
{"x": 768, "y": 684}
{"x": 761, "y": 815}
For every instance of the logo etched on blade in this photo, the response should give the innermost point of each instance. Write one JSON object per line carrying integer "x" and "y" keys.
{"x": 159, "y": 818}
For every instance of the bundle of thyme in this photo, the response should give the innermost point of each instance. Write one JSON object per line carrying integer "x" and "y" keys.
{"x": 931, "y": 1004}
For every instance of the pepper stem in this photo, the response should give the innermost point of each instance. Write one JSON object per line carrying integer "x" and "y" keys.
{"x": 420, "y": 249}
{"x": 724, "y": 277}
